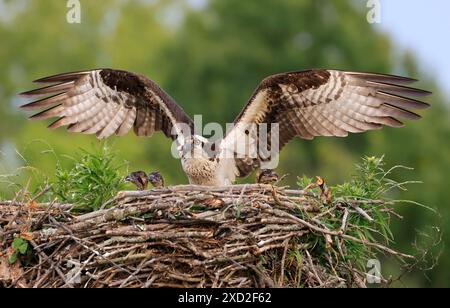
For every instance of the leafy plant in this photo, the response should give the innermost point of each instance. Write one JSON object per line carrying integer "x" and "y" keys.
{"x": 370, "y": 220}
{"x": 94, "y": 179}
{"x": 20, "y": 247}
{"x": 371, "y": 180}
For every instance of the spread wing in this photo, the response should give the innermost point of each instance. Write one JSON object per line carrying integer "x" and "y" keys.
{"x": 321, "y": 103}
{"x": 106, "y": 102}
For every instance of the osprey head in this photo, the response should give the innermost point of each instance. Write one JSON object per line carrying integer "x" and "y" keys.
{"x": 156, "y": 179}
{"x": 138, "y": 178}
{"x": 195, "y": 147}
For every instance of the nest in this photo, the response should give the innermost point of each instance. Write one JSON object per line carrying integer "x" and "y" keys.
{"x": 184, "y": 236}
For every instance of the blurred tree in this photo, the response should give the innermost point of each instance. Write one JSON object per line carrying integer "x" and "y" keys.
{"x": 210, "y": 59}
{"x": 113, "y": 33}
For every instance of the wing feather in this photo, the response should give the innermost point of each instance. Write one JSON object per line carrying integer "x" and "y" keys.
{"x": 46, "y": 102}
{"x": 106, "y": 102}
{"x": 334, "y": 117}
{"x": 105, "y": 116}
{"x": 114, "y": 124}
{"x": 316, "y": 103}
{"x": 127, "y": 123}
{"x": 49, "y": 113}
{"x": 87, "y": 118}
{"x": 50, "y": 89}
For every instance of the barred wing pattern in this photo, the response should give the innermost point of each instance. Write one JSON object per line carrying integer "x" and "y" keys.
{"x": 323, "y": 103}
{"x": 106, "y": 102}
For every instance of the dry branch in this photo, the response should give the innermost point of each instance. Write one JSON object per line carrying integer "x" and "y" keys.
{"x": 185, "y": 236}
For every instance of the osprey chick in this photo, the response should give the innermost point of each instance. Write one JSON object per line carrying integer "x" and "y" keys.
{"x": 138, "y": 178}
{"x": 156, "y": 179}
{"x": 267, "y": 177}
{"x": 141, "y": 180}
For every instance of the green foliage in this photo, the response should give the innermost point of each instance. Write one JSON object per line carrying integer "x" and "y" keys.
{"x": 20, "y": 247}
{"x": 94, "y": 179}
{"x": 199, "y": 57}
{"x": 370, "y": 181}
{"x": 370, "y": 220}
{"x": 304, "y": 181}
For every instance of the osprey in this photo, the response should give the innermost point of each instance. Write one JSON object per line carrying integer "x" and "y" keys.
{"x": 304, "y": 104}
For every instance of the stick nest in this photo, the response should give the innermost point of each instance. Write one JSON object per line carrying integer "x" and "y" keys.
{"x": 186, "y": 236}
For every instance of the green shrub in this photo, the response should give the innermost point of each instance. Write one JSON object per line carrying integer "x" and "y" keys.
{"x": 94, "y": 179}
{"x": 369, "y": 198}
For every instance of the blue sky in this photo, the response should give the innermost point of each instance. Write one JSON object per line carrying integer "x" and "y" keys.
{"x": 424, "y": 27}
